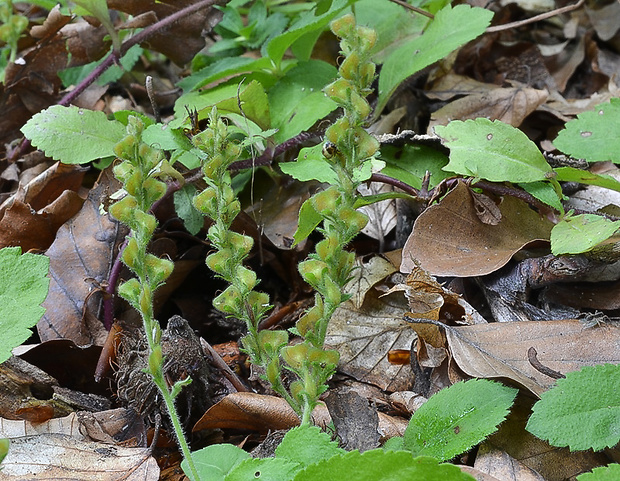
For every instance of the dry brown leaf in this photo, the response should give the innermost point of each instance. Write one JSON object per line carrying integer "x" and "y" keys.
{"x": 58, "y": 456}
{"x": 448, "y": 239}
{"x": 510, "y": 105}
{"x": 500, "y": 349}
{"x": 381, "y": 215}
{"x": 81, "y": 255}
{"x": 365, "y": 336}
{"x": 502, "y": 465}
{"x": 365, "y": 275}
{"x": 552, "y": 463}
{"x": 258, "y": 412}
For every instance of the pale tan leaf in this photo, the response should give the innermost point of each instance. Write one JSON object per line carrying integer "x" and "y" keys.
{"x": 381, "y": 215}
{"x": 365, "y": 336}
{"x": 502, "y": 465}
{"x": 365, "y": 275}
{"x": 500, "y": 349}
{"x": 57, "y": 456}
{"x": 448, "y": 239}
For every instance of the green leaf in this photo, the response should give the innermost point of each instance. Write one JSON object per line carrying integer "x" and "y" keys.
{"x": 409, "y": 164}
{"x": 377, "y": 464}
{"x": 254, "y": 103}
{"x": 307, "y": 445}
{"x": 310, "y": 165}
{"x": 309, "y": 218}
{"x": 266, "y": 469}
{"x": 73, "y": 135}
{"x": 228, "y": 66}
{"x": 297, "y": 101}
{"x": 587, "y": 136}
{"x": 23, "y": 287}
{"x": 571, "y": 174}
{"x": 308, "y": 22}
{"x": 457, "y": 418}
{"x": 214, "y": 462}
{"x": 604, "y": 473}
{"x": 582, "y": 411}
{"x": 451, "y": 28}
{"x": 580, "y": 233}
{"x": 492, "y": 150}
{"x": 544, "y": 192}
{"x": 5, "y": 443}
{"x": 184, "y": 207}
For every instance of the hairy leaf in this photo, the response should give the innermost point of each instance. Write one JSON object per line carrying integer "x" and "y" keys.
{"x": 23, "y": 287}
{"x": 192, "y": 219}
{"x": 587, "y": 137}
{"x": 582, "y": 411}
{"x": 307, "y": 445}
{"x": 265, "y": 469}
{"x": 215, "y": 461}
{"x": 450, "y": 29}
{"x": 604, "y": 473}
{"x": 580, "y": 233}
{"x": 571, "y": 174}
{"x": 492, "y": 150}
{"x": 73, "y": 135}
{"x": 457, "y": 418}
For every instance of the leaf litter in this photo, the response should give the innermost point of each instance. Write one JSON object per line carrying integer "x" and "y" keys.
{"x": 469, "y": 234}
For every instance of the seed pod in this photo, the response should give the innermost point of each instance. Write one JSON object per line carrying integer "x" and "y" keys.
{"x": 326, "y": 201}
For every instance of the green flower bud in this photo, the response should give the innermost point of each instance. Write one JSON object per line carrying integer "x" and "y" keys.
{"x": 272, "y": 341}
{"x": 123, "y": 170}
{"x": 328, "y": 248}
{"x": 343, "y": 26}
{"x": 143, "y": 222}
{"x": 131, "y": 254}
{"x": 133, "y": 183}
{"x": 273, "y": 371}
{"x": 157, "y": 269}
{"x": 355, "y": 220}
{"x": 367, "y": 145}
{"x": 307, "y": 322}
{"x": 221, "y": 262}
{"x": 240, "y": 244}
{"x": 130, "y": 291}
{"x": 325, "y": 202}
{"x": 327, "y": 358}
{"x": 337, "y": 130}
{"x": 125, "y": 148}
{"x": 145, "y": 300}
{"x": 360, "y": 105}
{"x": 298, "y": 391}
{"x": 206, "y": 202}
{"x": 340, "y": 90}
{"x": 259, "y": 302}
{"x": 367, "y": 74}
{"x": 155, "y": 190}
{"x": 233, "y": 151}
{"x": 232, "y": 211}
{"x": 124, "y": 209}
{"x": 349, "y": 68}
{"x": 367, "y": 36}
{"x": 246, "y": 277}
{"x": 313, "y": 270}
{"x": 331, "y": 291}
{"x": 229, "y": 301}
{"x": 295, "y": 355}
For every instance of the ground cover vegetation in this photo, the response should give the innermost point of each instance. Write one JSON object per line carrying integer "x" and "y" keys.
{"x": 428, "y": 193}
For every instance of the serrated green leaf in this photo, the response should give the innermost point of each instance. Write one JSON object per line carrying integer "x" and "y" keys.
{"x": 377, "y": 464}
{"x": 457, "y": 418}
{"x": 587, "y": 136}
{"x": 73, "y": 135}
{"x": 580, "y": 233}
{"x": 571, "y": 174}
{"x": 310, "y": 165}
{"x": 308, "y": 22}
{"x": 309, "y": 218}
{"x": 266, "y": 469}
{"x": 192, "y": 219}
{"x": 582, "y": 411}
{"x": 297, "y": 101}
{"x": 450, "y": 29}
{"x": 604, "y": 473}
{"x": 214, "y": 462}
{"x": 493, "y": 151}
{"x": 305, "y": 445}
{"x": 23, "y": 287}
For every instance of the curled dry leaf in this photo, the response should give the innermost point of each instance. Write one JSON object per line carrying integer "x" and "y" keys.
{"x": 258, "y": 412}
{"x": 365, "y": 336}
{"x": 82, "y": 254}
{"x": 365, "y": 275}
{"x": 500, "y": 349}
{"x": 448, "y": 239}
{"x": 502, "y": 465}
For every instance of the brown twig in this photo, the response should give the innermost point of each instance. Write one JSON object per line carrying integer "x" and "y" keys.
{"x": 415, "y": 9}
{"x": 537, "y": 18}
{"x": 536, "y": 364}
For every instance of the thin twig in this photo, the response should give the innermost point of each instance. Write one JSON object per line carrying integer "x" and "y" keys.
{"x": 537, "y": 18}
{"x": 415, "y": 9}
{"x": 536, "y": 364}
